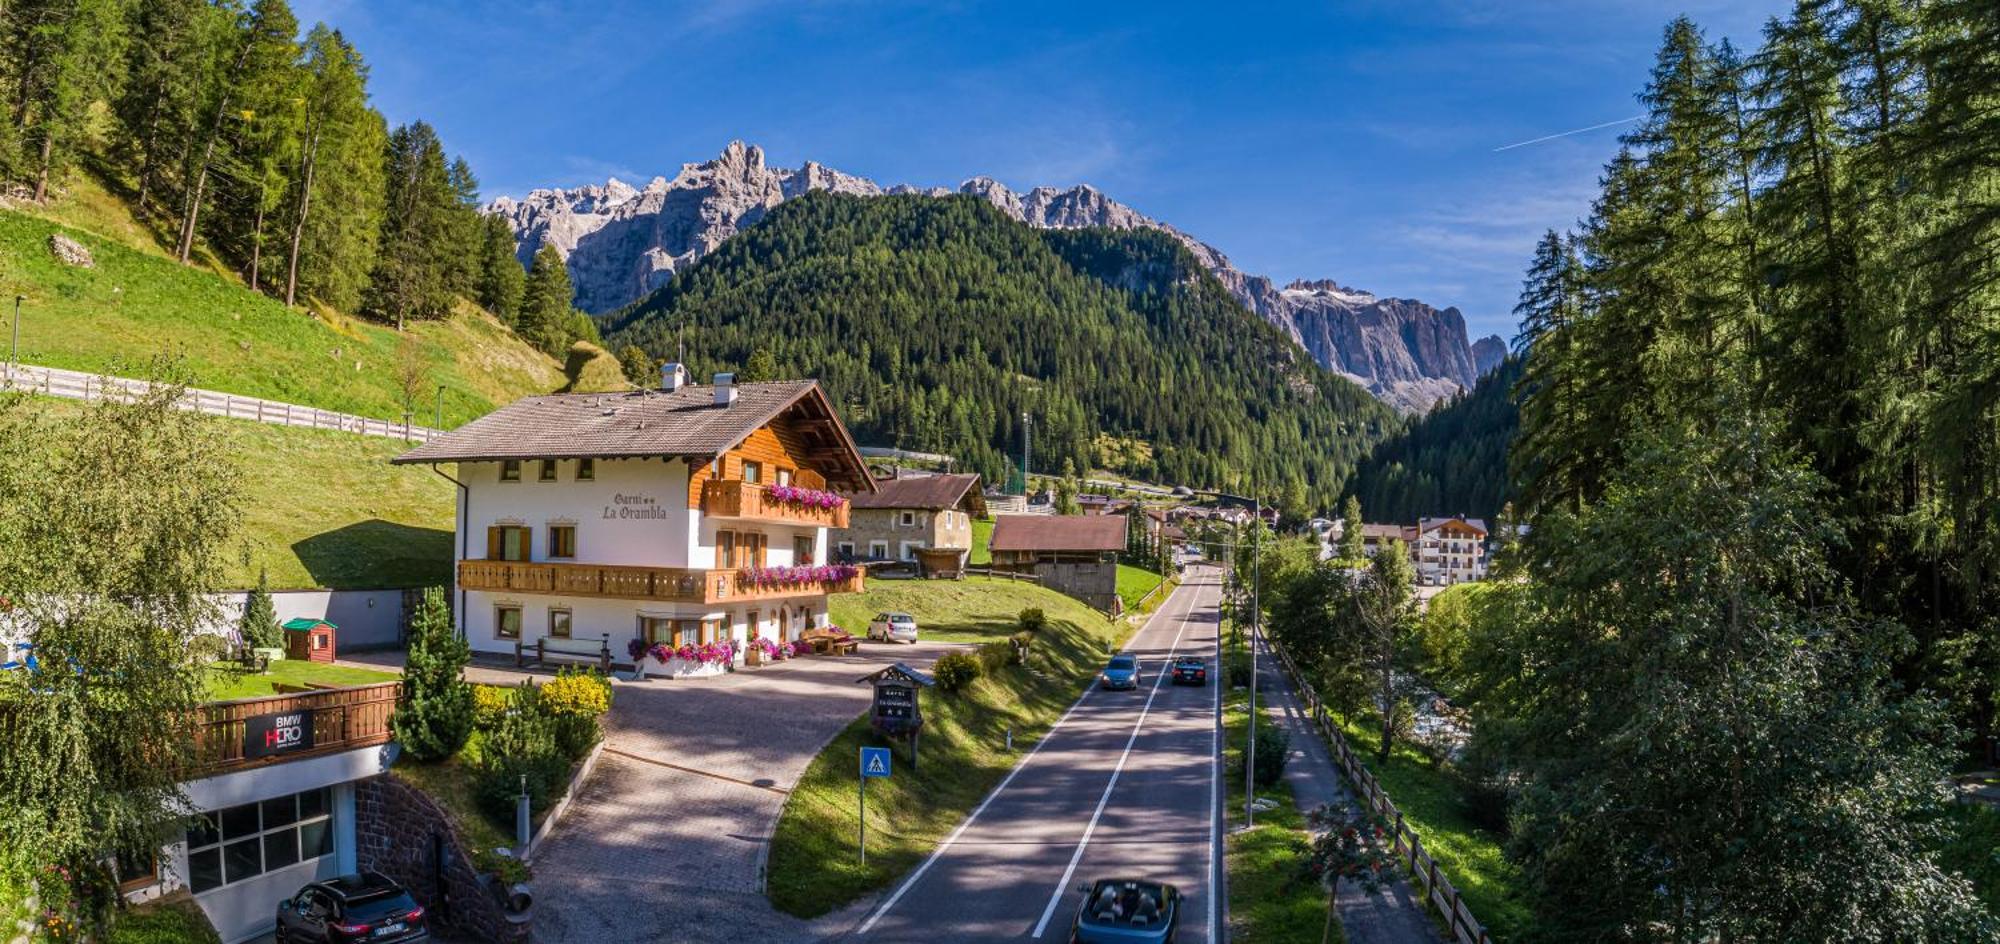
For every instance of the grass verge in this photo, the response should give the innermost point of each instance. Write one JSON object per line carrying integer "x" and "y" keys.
{"x": 1434, "y": 807}
{"x": 1134, "y": 583}
{"x": 225, "y": 682}
{"x": 982, "y": 543}
{"x": 976, "y": 609}
{"x": 1270, "y": 900}
{"x": 813, "y": 865}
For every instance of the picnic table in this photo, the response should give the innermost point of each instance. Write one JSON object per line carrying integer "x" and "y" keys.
{"x": 830, "y": 639}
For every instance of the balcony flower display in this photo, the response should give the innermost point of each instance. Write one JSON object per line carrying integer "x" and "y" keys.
{"x": 800, "y": 647}
{"x": 804, "y": 497}
{"x": 763, "y": 577}
{"x": 765, "y": 646}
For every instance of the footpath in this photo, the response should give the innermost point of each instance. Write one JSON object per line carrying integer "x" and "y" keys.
{"x": 1393, "y": 915}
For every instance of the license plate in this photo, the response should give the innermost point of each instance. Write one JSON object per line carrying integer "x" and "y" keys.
{"x": 393, "y": 927}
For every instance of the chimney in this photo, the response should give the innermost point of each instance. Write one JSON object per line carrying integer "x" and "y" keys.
{"x": 673, "y": 376}
{"x": 725, "y": 389}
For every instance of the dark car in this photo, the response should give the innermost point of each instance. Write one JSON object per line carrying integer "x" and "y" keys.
{"x": 1189, "y": 670}
{"x": 367, "y": 907}
{"x": 1126, "y": 910}
{"x": 1121, "y": 672}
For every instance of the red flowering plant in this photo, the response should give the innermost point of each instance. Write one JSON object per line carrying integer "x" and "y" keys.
{"x": 1348, "y": 844}
{"x": 804, "y": 497}
{"x": 765, "y": 646}
{"x": 792, "y": 576}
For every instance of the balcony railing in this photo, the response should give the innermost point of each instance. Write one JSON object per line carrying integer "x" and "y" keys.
{"x": 721, "y": 498}
{"x": 342, "y": 719}
{"x": 658, "y": 584}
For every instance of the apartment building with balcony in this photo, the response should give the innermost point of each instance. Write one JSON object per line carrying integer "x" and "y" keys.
{"x": 1450, "y": 550}
{"x": 683, "y": 515}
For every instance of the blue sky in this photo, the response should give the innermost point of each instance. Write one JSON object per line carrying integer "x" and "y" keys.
{"x": 1353, "y": 141}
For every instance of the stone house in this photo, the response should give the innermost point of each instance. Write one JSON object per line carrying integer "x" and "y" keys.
{"x": 909, "y": 514}
{"x": 1073, "y": 554}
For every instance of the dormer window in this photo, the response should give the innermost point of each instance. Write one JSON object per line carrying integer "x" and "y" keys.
{"x": 510, "y": 470}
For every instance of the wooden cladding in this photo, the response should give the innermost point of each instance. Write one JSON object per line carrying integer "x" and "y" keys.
{"x": 342, "y": 719}
{"x": 659, "y": 584}
{"x": 779, "y": 453}
{"x": 722, "y": 498}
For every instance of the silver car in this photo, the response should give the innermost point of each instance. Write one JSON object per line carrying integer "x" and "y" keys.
{"x": 893, "y": 627}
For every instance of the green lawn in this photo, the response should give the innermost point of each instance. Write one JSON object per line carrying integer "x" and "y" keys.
{"x": 1134, "y": 583}
{"x": 176, "y": 920}
{"x": 1433, "y": 806}
{"x": 134, "y": 304}
{"x": 976, "y": 609}
{"x": 225, "y": 682}
{"x": 982, "y": 543}
{"x": 1269, "y": 899}
{"x": 326, "y": 509}
{"x": 813, "y": 867}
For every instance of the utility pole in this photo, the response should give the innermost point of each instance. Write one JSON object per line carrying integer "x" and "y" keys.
{"x": 1027, "y": 423}
{"x": 14, "y": 358}
{"x": 1256, "y": 616}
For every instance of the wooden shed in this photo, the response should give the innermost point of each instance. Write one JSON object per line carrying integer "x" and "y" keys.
{"x": 309, "y": 639}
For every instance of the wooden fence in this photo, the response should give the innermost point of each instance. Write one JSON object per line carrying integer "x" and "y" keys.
{"x": 76, "y": 385}
{"x": 1403, "y": 841}
{"x": 1005, "y": 574}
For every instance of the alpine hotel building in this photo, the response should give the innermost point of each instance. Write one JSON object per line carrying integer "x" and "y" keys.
{"x": 682, "y": 515}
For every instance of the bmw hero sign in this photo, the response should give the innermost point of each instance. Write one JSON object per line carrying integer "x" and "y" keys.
{"x": 285, "y": 732}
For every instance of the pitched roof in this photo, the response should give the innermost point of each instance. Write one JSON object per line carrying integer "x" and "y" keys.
{"x": 686, "y": 423}
{"x": 935, "y": 492}
{"x": 1058, "y": 533}
{"x": 1385, "y": 532}
{"x": 1425, "y": 525}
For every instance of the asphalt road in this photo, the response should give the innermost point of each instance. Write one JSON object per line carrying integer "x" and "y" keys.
{"x": 1126, "y": 785}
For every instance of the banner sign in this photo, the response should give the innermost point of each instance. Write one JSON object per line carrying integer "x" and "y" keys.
{"x": 284, "y": 732}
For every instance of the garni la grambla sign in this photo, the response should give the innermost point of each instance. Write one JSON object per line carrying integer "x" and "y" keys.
{"x": 630, "y": 507}
{"x": 281, "y": 733}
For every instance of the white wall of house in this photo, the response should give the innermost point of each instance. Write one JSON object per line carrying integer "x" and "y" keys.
{"x": 592, "y": 617}
{"x": 634, "y": 512}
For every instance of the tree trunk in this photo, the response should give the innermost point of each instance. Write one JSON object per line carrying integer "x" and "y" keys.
{"x": 42, "y": 176}
{"x": 1388, "y": 702}
{"x": 207, "y": 154}
{"x": 257, "y": 240}
{"x": 306, "y": 162}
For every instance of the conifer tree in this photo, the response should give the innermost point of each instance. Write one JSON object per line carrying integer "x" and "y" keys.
{"x": 269, "y": 93}
{"x": 66, "y": 55}
{"x": 173, "y": 51}
{"x": 412, "y": 276}
{"x": 547, "y": 318}
{"x": 502, "y": 280}
{"x": 258, "y": 629}
{"x": 1353, "y": 532}
{"x": 335, "y": 191}
{"x": 437, "y": 712}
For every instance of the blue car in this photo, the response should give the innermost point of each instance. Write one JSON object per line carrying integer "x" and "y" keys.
{"x": 1127, "y": 911}
{"x": 1121, "y": 672}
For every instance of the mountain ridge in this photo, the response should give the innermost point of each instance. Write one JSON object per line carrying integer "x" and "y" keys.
{"x": 624, "y": 242}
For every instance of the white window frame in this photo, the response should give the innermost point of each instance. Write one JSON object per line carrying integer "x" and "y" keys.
{"x": 909, "y": 550}
{"x": 874, "y": 554}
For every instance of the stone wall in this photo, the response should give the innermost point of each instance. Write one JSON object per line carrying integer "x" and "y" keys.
{"x": 397, "y": 830}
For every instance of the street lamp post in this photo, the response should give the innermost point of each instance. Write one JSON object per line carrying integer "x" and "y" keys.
{"x": 14, "y": 353}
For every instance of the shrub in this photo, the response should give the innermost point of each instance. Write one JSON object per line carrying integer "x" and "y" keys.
{"x": 1274, "y": 748}
{"x": 176, "y": 922}
{"x": 437, "y": 713}
{"x": 1033, "y": 620}
{"x": 490, "y": 703}
{"x": 1239, "y": 670}
{"x": 994, "y": 656}
{"x": 524, "y": 745}
{"x": 579, "y": 691}
{"x": 205, "y": 648}
{"x": 955, "y": 670}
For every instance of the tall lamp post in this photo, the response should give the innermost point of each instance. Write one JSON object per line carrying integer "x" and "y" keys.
{"x": 14, "y": 354}
{"x": 1027, "y": 425}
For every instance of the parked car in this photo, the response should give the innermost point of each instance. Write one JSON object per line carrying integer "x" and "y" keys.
{"x": 367, "y": 907}
{"x": 1127, "y": 911}
{"x": 893, "y": 627}
{"x": 1121, "y": 672}
{"x": 1190, "y": 670}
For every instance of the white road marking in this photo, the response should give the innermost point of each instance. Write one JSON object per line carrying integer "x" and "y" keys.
{"x": 1048, "y": 735}
{"x": 1055, "y": 898}
{"x": 1215, "y": 784}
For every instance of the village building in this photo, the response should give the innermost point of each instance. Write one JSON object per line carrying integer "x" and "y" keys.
{"x": 910, "y": 514}
{"x": 1450, "y": 550}
{"x": 685, "y": 515}
{"x": 1073, "y": 554}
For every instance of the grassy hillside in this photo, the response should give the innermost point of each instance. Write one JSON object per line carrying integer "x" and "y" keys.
{"x": 137, "y": 302}
{"x": 812, "y": 862}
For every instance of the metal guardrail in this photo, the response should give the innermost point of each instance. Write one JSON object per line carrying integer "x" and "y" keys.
{"x": 77, "y": 385}
{"x": 1404, "y": 841}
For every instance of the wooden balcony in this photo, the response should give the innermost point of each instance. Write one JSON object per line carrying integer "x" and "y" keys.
{"x": 342, "y": 719}
{"x": 657, "y": 584}
{"x": 722, "y": 498}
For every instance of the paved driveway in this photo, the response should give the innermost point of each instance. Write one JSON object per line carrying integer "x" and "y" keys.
{"x": 667, "y": 840}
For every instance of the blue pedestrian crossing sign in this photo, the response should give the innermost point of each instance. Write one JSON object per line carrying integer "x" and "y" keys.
{"x": 874, "y": 762}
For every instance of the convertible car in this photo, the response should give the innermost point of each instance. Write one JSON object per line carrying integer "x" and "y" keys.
{"x": 1126, "y": 911}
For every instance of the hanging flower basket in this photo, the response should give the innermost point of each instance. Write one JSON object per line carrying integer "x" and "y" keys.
{"x": 764, "y": 578}
{"x": 798, "y": 497}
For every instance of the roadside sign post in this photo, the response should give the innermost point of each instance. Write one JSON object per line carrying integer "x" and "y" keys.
{"x": 874, "y": 763}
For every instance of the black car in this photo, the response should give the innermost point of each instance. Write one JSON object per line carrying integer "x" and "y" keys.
{"x": 1127, "y": 911}
{"x": 1189, "y": 670}
{"x": 367, "y": 907}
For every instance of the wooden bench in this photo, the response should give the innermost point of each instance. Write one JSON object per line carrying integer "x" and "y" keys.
{"x": 565, "y": 649}
{"x": 826, "y": 640}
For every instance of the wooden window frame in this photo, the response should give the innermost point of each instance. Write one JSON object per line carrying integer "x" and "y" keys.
{"x": 568, "y": 621}
{"x": 753, "y": 472}
{"x": 496, "y": 542}
{"x": 500, "y": 621}
{"x": 804, "y": 550}
{"x": 586, "y": 470}
{"x": 725, "y": 550}
{"x": 510, "y": 470}
{"x": 555, "y": 549}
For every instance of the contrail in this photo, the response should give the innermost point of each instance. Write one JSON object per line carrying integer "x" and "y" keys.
{"x": 1565, "y": 134}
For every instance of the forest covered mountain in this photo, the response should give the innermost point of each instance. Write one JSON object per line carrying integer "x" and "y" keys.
{"x": 937, "y": 322}
{"x": 1451, "y": 461}
{"x": 622, "y": 242}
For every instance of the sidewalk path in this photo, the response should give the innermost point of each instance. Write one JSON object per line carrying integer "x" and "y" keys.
{"x": 1394, "y": 915}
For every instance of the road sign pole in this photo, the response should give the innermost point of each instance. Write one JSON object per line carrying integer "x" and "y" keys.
{"x": 861, "y": 790}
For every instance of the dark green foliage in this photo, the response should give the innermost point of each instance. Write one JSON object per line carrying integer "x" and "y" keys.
{"x": 935, "y": 323}
{"x": 175, "y": 922}
{"x": 1451, "y": 461}
{"x": 955, "y": 670}
{"x": 548, "y": 316}
{"x": 1033, "y": 620}
{"x": 526, "y": 744}
{"x": 640, "y": 367}
{"x": 259, "y": 627}
{"x": 437, "y": 712}
{"x": 1274, "y": 748}
{"x": 55, "y": 58}
{"x": 502, "y": 280}
{"x": 414, "y": 268}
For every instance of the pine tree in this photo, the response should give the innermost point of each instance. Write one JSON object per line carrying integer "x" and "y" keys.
{"x": 1549, "y": 310}
{"x": 336, "y": 185}
{"x": 502, "y": 280}
{"x": 547, "y": 318}
{"x": 269, "y": 95}
{"x": 263, "y": 41}
{"x": 258, "y": 629}
{"x": 67, "y": 55}
{"x": 174, "y": 47}
{"x": 412, "y": 276}
{"x": 640, "y": 367}
{"x": 761, "y": 366}
{"x": 1353, "y": 532}
{"x": 436, "y": 715}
